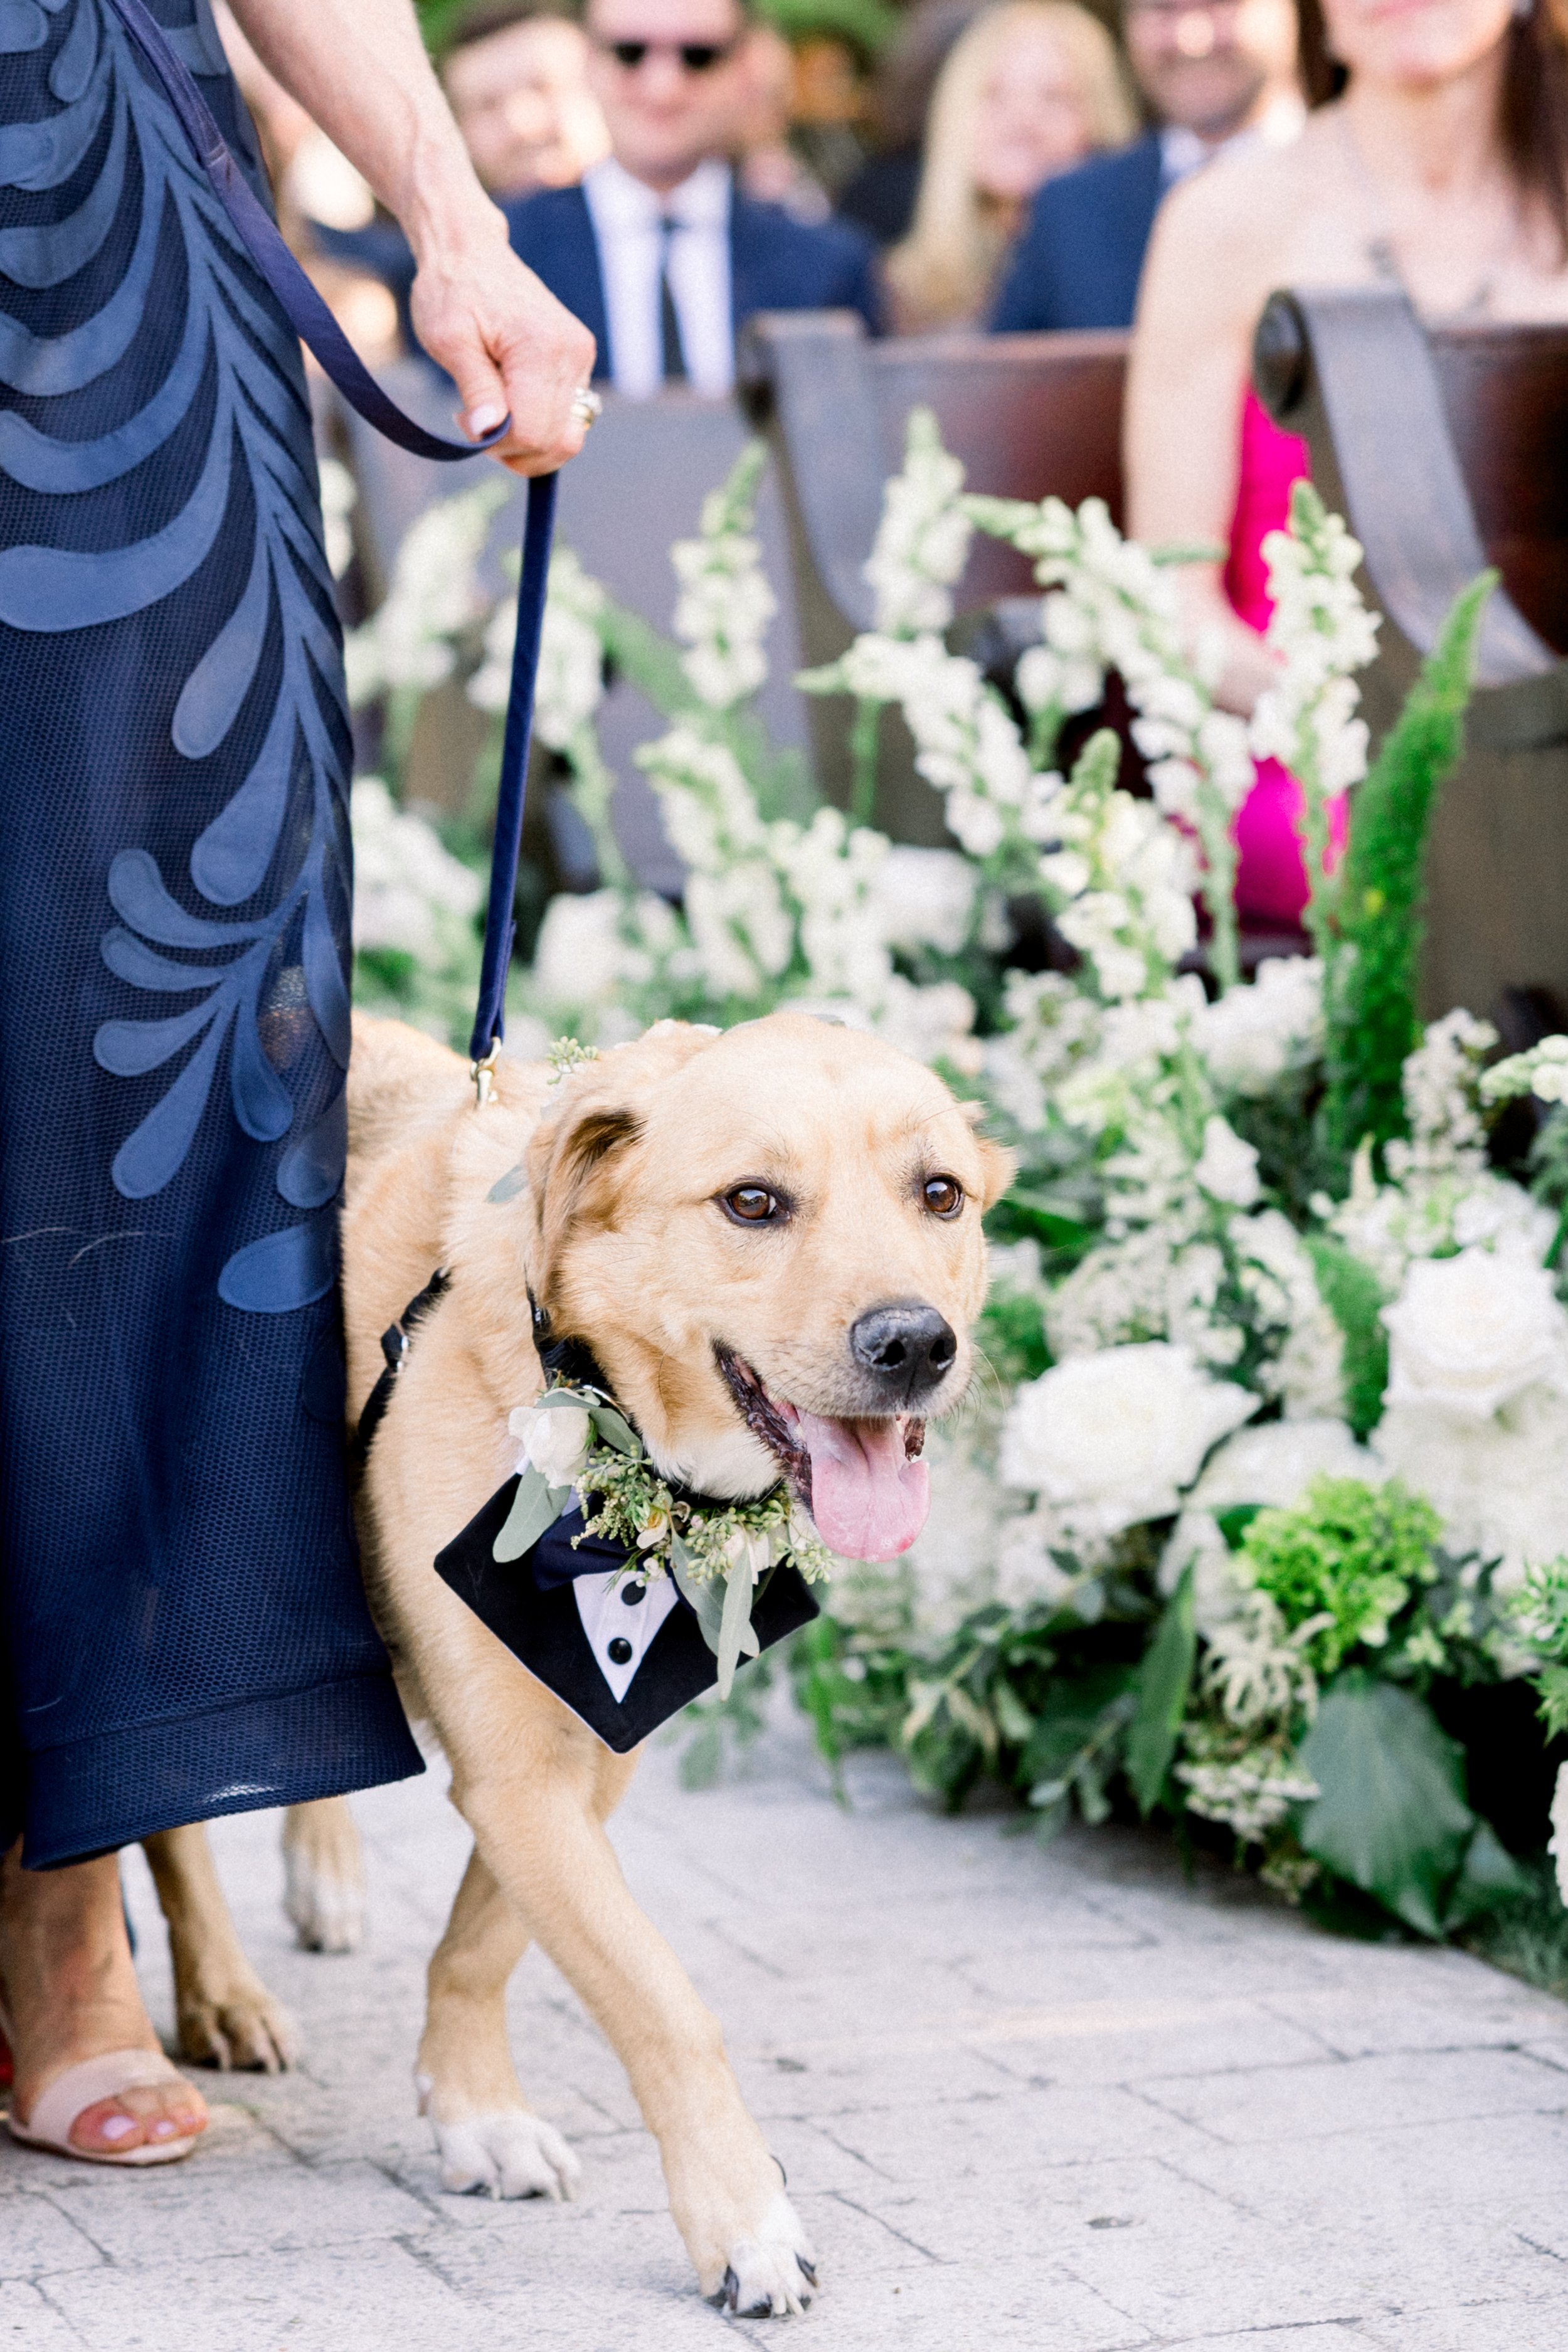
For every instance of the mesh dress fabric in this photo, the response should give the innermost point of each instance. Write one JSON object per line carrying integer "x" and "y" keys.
{"x": 184, "y": 1632}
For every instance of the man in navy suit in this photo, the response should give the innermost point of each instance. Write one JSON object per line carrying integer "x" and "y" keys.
{"x": 1213, "y": 72}
{"x": 659, "y": 251}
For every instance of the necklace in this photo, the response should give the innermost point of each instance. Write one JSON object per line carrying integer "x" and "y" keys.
{"x": 1379, "y": 246}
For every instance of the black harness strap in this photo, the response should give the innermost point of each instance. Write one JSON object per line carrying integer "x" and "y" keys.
{"x": 394, "y": 1347}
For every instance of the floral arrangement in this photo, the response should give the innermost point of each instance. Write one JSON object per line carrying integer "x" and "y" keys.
{"x": 1266, "y": 1488}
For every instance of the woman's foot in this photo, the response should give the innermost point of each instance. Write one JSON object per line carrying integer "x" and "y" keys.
{"x": 69, "y": 1987}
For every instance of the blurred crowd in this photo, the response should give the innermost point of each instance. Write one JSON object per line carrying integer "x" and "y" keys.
{"x": 671, "y": 167}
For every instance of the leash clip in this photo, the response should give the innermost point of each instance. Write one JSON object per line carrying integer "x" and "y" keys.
{"x": 483, "y": 1074}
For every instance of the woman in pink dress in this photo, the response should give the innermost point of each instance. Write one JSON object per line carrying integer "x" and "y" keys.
{"x": 1443, "y": 168}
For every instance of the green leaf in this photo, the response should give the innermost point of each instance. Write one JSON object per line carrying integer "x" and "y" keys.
{"x": 1031, "y": 1211}
{"x": 1491, "y": 1878}
{"x": 735, "y": 1632}
{"x": 1391, "y": 1816}
{"x": 707, "y": 1601}
{"x": 508, "y": 1187}
{"x": 1353, "y": 1297}
{"x": 616, "y": 1430}
{"x": 1164, "y": 1679}
{"x": 536, "y": 1505}
{"x": 561, "y": 1400}
{"x": 1082, "y": 1713}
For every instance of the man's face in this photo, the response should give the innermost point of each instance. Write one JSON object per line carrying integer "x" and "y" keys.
{"x": 522, "y": 103}
{"x": 670, "y": 77}
{"x": 1205, "y": 63}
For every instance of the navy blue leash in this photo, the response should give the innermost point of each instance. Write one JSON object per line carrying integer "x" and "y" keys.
{"x": 315, "y": 325}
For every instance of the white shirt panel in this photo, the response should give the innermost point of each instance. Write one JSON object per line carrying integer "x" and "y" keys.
{"x": 620, "y": 1614}
{"x": 625, "y": 217}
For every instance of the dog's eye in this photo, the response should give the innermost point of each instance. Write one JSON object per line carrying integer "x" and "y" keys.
{"x": 752, "y": 1204}
{"x": 944, "y": 1195}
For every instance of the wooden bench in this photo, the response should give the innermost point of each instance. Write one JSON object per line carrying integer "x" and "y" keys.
{"x": 1445, "y": 452}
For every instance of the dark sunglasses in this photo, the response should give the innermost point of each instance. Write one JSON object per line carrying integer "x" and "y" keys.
{"x": 696, "y": 57}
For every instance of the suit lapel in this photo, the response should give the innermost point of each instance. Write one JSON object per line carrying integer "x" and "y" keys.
{"x": 580, "y": 271}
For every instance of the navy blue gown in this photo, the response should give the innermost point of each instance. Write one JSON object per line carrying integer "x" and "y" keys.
{"x": 184, "y": 1629}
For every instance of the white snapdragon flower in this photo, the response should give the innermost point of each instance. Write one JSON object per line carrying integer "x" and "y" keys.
{"x": 592, "y": 947}
{"x": 1251, "y": 1036}
{"x": 571, "y": 655}
{"x": 1111, "y": 1439}
{"x": 1227, "y": 1169}
{"x": 408, "y": 885}
{"x": 922, "y": 540}
{"x": 553, "y": 1442}
{"x": 924, "y": 898}
{"x": 339, "y": 496}
{"x": 435, "y": 599}
{"x": 1469, "y": 1333}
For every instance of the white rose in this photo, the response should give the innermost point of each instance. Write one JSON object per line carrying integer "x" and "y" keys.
{"x": 1111, "y": 1439}
{"x": 554, "y": 1442}
{"x": 1275, "y": 1465}
{"x": 1470, "y": 1332}
{"x": 1228, "y": 1169}
{"x": 1500, "y": 1486}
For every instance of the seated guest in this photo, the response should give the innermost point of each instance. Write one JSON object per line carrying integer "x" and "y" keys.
{"x": 1442, "y": 170}
{"x": 767, "y": 165}
{"x": 881, "y": 195}
{"x": 516, "y": 77}
{"x": 659, "y": 251}
{"x": 1213, "y": 73}
{"x": 1030, "y": 89}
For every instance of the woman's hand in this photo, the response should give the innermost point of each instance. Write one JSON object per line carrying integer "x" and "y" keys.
{"x": 508, "y": 345}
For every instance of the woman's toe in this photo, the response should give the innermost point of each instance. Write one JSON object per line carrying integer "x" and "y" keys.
{"x": 146, "y": 2117}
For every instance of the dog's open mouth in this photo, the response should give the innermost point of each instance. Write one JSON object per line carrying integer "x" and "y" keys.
{"x": 860, "y": 1480}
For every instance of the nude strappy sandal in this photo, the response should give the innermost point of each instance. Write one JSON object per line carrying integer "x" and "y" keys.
{"x": 81, "y": 2086}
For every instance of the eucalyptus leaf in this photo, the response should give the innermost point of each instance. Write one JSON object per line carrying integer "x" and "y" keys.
{"x": 1391, "y": 1816}
{"x": 615, "y": 1430}
{"x": 1164, "y": 1680}
{"x": 536, "y": 1505}
{"x": 706, "y": 1600}
{"x": 508, "y": 1187}
{"x": 562, "y": 1401}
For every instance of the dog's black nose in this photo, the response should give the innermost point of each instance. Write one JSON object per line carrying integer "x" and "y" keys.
{"x": 906, "y": 1347}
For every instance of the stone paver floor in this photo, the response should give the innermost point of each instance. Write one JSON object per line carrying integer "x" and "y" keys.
{"x": 1060, "y": 2100}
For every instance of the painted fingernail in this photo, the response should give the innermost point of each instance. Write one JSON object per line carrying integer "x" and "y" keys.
{"x": 484, "y": 420}
{"x": 116, "y": 2126}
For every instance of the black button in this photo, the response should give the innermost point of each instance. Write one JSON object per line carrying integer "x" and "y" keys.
{"x": 632, "y": 1591}
{"x": 620, "y": 1650}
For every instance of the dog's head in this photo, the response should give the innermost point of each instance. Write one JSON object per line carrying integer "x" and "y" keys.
{"x": 770, "y": 1241}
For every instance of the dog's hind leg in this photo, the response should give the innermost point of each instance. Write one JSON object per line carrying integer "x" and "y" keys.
{"x": 489, "y": 2137}
{"x": 323, "y": 1864}
{"x": 225, "y": 2015}
{"x": 540, "y": 1827}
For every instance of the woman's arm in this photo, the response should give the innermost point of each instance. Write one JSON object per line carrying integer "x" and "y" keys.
{"x": 1186, "y": 382}
{"x": 359, "y": 68}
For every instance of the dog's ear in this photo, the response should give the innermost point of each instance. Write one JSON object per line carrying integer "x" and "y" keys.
{"x": 567, "y": 1163}
{"x": 999, "y": 1164}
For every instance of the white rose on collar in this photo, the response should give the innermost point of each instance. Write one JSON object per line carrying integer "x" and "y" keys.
{"x": 1112, "y": 1438}
{"x": 1468, "y": 1333}
{"x": 554, "y": 1442}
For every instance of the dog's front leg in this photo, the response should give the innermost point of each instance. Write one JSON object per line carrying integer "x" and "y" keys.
{"x": 225, "y": 2015}
{"x": 489, "y": 2137}
{"x": 542, "y": 1835}
{"x": 323, "y": 1864}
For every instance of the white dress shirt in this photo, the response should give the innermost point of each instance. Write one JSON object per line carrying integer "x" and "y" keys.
{"x": 625, "y": 217}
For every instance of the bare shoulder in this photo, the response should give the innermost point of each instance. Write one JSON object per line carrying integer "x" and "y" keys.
{"x": 1231, "y": 233}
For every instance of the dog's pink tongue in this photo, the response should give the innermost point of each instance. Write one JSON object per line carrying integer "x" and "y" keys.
{"x": 869, "y": 1502}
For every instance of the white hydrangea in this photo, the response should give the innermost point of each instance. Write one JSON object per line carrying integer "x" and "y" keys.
{"x": 1111, "y": 1439}
{"x": 1251, "y": 1036}
{"x": 408, "y": 888}
{"x": 922, "y": 540}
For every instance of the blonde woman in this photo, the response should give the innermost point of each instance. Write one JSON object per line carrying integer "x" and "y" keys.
{"x": 1030, "y": 89}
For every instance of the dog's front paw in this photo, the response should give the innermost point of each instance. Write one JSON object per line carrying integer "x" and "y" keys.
{"x": 773, "y": 2273}
{"x": 239, "y": 2027}
{"x": 513, "y": 2153}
